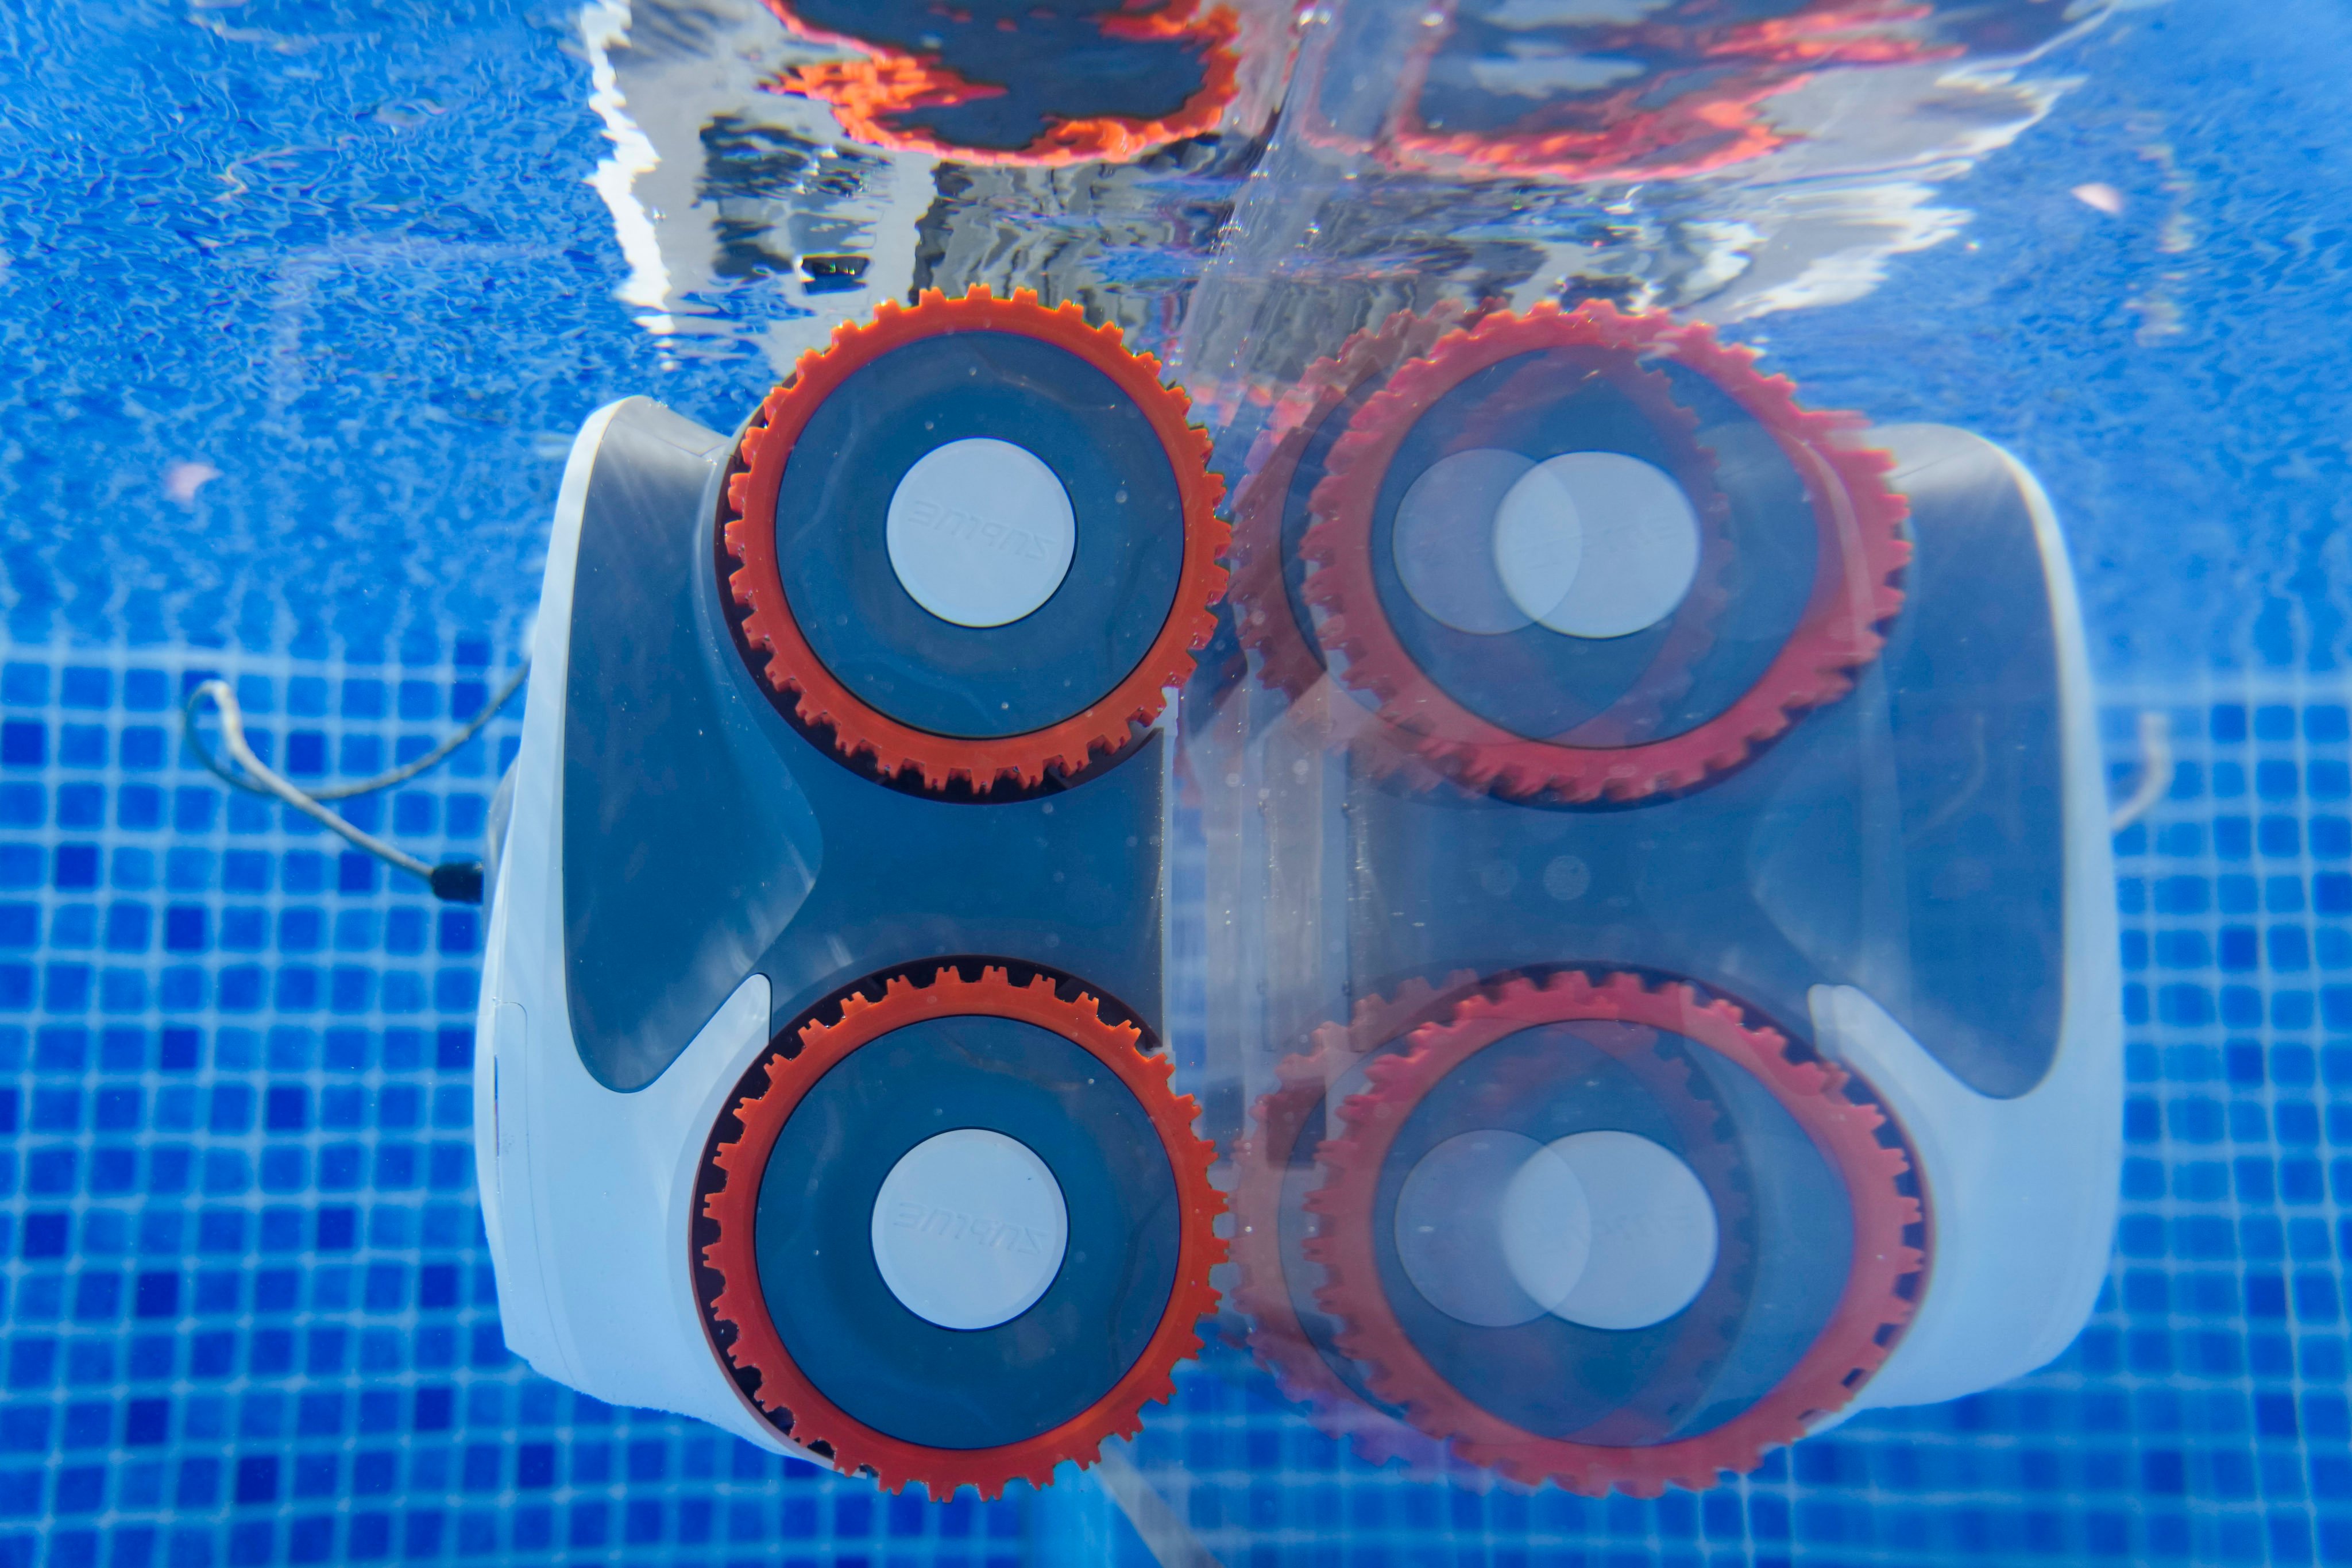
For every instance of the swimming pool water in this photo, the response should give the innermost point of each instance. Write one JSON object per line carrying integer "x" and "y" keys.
{"x": 345, "y": 258}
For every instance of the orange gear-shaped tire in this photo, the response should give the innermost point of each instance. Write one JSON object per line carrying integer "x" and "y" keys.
{"x": 807, "y": 689}
{"x": 1860, "y": 548}
{"x": 787, "y": 1393}
{"x": 1262, "y": 613}
{"x": 1854, "y": 1342}
{"x": 1264, "y": 1292}
{"x": 1290, "y": 657}
{"x": 1261, "y": 1287}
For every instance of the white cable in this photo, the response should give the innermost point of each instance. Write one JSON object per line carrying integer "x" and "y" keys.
{"x": 262, "y": 780}
{"x": 398, "y": 775}
{"x": 2154, "y": 770}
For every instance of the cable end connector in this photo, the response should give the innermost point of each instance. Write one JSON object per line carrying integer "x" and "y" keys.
{"x": 457, "y": 881}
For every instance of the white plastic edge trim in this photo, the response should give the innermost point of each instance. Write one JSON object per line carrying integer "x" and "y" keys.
{"x": 2020, "y": 1194}
{"x": 516, "y": 953}
{"x": 588, "y": 1193}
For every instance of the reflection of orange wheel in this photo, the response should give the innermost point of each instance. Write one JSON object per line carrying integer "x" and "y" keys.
{"x": 780, "y": 638}
{"x": 1854, "y": 1341}
{"x": 1856, "y": 520}
{"x": 1699, "y": 106}
{"x": 745, "y": 1320}
{"x": 875, "y": 94}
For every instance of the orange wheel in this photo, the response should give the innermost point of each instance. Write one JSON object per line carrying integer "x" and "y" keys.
{"x": 1542, "y": 1057}
{"x": 1808, "y": 556}
{"x": 804, "y": 1194}
{"x": 820, "y": 519}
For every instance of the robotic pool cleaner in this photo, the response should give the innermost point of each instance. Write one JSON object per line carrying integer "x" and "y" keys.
{"x": 820, "y": 1091}
{"x": 1736, "y": 1042}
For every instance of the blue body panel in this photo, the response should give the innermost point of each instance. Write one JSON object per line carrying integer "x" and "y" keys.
{"x": 1905, "y": 838}
{"x": 705, "y": 839}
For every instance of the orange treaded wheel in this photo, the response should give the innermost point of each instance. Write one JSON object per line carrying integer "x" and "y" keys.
{"x": 1859, "y": 546}
{"x": 1264, "y": 1291}
{"x": 1853, "y": 1344}
{"x": 786, "y": 1393}
{"x": 800, "y": 680}
{"x": 1261, "y": 1287}
{"x": 1262, "y": 612}
{"x": 1276, "y": 523}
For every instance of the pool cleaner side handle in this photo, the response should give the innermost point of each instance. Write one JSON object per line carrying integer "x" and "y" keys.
{"x": 2022, "y": 1192}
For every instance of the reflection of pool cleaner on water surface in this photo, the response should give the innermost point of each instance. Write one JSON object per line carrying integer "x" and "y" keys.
{"x": 1022, "y": 83}
{"x": 1650, "y": 90}
{"x": 820, "y": 1090}
{"x": 1750, "y": 1053}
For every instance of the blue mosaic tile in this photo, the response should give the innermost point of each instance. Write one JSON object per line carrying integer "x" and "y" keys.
{"x": 249, "y": 1318}
{"x": 2202, "y": 1416}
